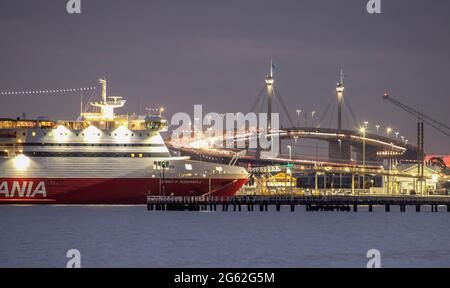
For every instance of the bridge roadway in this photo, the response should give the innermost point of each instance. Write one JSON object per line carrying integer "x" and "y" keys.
{"x": 341, "y": 141}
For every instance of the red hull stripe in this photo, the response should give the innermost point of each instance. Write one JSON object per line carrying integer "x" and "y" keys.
{"x": 108, "y": 191}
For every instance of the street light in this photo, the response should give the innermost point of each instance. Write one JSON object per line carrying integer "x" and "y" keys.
{"x": 298, "y": 115}
{"x": 388, "y": 130}
{"x": 396, "y": 134}
{"x": 366, "y": 123}
{"x": 378, "y": 127}
{"x": 290, "y": 151}
{"x": 209, "y": 172}
{"x": 312, "y": 118}
{"x": 161, "y": 186}
{"x": 363, "y": 132}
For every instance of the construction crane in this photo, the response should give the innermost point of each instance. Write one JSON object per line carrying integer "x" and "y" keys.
{"x": 422, "y": 118}
{"x": 442, "y": 128}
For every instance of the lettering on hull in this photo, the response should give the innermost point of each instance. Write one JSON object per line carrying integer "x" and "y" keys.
{"x": 23, "y": 189}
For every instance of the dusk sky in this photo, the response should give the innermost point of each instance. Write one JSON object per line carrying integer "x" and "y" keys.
{"x": 217, "y": 53}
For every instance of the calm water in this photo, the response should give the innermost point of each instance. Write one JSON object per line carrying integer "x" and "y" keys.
{"x": 129, "y": 236}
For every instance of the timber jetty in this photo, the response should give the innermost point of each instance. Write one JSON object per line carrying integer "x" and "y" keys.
{"x": 311, "y": 203}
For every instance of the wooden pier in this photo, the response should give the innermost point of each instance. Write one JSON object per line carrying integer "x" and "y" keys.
{"x": 311, "y": 203}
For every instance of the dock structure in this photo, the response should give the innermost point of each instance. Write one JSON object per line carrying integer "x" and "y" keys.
{"x": 311, "y": 203}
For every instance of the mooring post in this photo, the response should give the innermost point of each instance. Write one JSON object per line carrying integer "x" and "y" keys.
{"x": 417, "y": 208}
{"x": 448, "y": 208}
{"x": 435, "y": 208}
{"x": 370, "y": 208}
{"x": 355, "y": 208}
{"x": 388, "y": 208}
{"x": 292, "y": 207}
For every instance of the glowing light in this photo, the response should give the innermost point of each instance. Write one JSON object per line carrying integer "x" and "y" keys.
{"x": 21, "y": 162}
{"x": 61, "y": 133}
{"x": 91, "y": 133}
{"x": 122, "y": 133}
{"x": 434, "y": 178}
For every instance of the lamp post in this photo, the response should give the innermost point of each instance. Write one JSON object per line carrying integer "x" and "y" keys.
{"x": 378, "y": 127}
{"x": 290, "y": 152}
{"x": 298, "y": 115}
{"x": 388, "y": 131}
{"x": 363, "y": 132}
{"x": 209, "y": 172}
{"x": 312, "y": 118}
{"x": 161, "y": 187}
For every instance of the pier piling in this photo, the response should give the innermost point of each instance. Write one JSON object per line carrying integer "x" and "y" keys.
{"x": 311, "y": 203}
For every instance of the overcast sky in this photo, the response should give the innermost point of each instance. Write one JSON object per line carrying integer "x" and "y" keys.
{"x": 216, "y": 53}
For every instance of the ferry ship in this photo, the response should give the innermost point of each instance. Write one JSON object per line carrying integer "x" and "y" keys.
{"x": 102, "y": 158}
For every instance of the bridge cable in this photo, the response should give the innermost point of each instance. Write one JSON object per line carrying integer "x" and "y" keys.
{"x": 330, "y": 102}
{"x": 332, "y": 113}
{"x": 278, "y": 96}
{"x": 351, "y": 111}
{"x": 261, "y": 93}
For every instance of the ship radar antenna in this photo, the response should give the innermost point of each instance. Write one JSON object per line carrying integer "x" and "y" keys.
{"x": 271, "y": 69}
{"x": 102, "y": 81}
{"x": 81, "y": 103}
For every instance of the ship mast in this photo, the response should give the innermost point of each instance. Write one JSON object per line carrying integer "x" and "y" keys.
{"x": 106, "y": 106}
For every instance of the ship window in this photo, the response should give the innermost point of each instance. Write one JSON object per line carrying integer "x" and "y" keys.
{"x": 188, "y": 166}
{"x": 77, "y": 134}
{"x": 33, "y": 134}
{"x": 24, "y": 133}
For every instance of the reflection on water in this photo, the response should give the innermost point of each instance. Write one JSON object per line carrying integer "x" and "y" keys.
{"x": 130, "y": 236}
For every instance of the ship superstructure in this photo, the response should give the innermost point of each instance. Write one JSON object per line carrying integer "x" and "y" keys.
{"x": 101, "y": 158}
